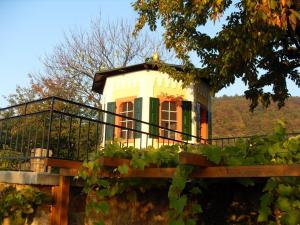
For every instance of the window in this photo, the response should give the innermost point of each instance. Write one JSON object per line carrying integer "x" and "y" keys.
{"x": 126, "y": 109}
{"x": 168, "y": 119}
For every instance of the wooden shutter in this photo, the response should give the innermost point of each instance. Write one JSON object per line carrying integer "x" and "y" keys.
{"x": 209, "y": 124}
{"x": 154, "y": 116}
{"x": 187, "y": 119}
{"x": 138, "y": 104}
{"x": 109, "y": 131}
{"x": 198, "y": 121}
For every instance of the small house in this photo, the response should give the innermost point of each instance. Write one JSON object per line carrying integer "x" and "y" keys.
{"x": 142, "y": 92}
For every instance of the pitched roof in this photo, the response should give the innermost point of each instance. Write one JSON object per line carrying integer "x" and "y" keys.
{"x": 100, "y": 77}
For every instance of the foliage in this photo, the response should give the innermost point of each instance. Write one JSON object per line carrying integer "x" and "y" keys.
{"x": 20, "y": 205}
{"x": 259, "y": 42}
{"x": 280, "y": 194}
{"x": 231, "y": 117}
{"x": 9, "y": 159}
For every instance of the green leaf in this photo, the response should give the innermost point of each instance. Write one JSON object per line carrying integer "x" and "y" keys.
{"x": 195, "y": 190}
{"x": 179, "y": 182}
{"x": 196, "y": 208}
{"x": 284, "y": 204}
{"x": 100, "y": 223}
{"x": 177, "y": 222}
{"x": 191, "y": 222}
{"x": 213, "y": 154}
{"x": 284, "y": 190}
{"x": 291, "y": 218}
{"x": 178, "y": 204}
{"x": 102, "y": 207}
{"x": 246, "y": 182}
{"x": 271, "y": 184}
{"x": 123, "y": 169}
{"x": 264, "y": 214}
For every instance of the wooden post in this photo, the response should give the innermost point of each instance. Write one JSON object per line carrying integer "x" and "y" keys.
{"x": 60, "y": 207}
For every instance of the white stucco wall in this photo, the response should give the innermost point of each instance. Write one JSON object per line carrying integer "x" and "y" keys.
{"x": 152, "y": 83}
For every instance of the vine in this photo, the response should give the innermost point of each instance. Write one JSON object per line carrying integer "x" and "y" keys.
{"x": 20, "y": 205}
{"x": 279, "y": 203}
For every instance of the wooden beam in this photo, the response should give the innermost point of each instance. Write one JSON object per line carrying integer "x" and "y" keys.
{"x": 60, "y": 207}
{"x": 208, "y": 172}
{"x": 206, "y": 169}
{"x": 70, "y": 164}
{"x": 248, "y": 171}
{"x": 186, "y": 158}
{"x": 61, "y": 163}
{"x": 113, "y": 162}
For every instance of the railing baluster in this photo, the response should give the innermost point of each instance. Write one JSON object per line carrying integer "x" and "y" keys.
{"x": 29, "y": 140}
{"x": 69, "y": 137}
{"x": 88, "y": 141}
{"x": 10, "y": 142}
{"x": 50, "y": 125}
{"x": 1, "y": 131}
{"x": 59, "y": 136}
{"x": 43, "y": 133}
{"x": 141, "y": 140}
{"x": 127, "y": 137}
{"x": 23, "y": 128}
{"x": 5, "y": 137}
{"x": 17, "y": 139}
{"x": 79, "y": 137}
{"x": 36, "y": 134}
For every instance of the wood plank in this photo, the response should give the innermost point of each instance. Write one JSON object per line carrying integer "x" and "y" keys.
{"x": 60, "y": 207}
{"x": 64, "y": 190}
{"x": 113, "y": 162}
{"x": 210, "y": 172}
{"x": 61, "y": 163}
{"x": 70, "y": 164}
{"x": 248, "y": 171}
{"x": 186, "y": 158}
{"x": 55, "y": 220}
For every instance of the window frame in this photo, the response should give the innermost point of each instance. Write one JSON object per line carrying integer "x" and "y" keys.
{"x": 126, "y": 112}
{"x": 178, "y": 101}
{"x": 118, "y": 130}
{"x": 168, "y": 120}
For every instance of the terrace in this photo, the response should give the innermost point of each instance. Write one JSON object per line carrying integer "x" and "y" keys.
{"x": 61, "y": 129}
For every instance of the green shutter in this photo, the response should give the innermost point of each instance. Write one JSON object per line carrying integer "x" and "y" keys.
{"x": 138, "y": 104}
{"x": 209, "y": 123}
{"x": 109, "y": 131}
{"x": 154, "y": 116}
{"x": 187, "y": 119}
{"x": 198, "y": 120}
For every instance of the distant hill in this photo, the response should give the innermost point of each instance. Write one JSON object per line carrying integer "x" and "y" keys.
{"x": 231, "y": 117}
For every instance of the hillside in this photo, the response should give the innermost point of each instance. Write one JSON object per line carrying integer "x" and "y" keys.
{"x": 231, "y": 117}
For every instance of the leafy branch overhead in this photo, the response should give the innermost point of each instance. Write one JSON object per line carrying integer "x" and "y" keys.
{"x": 259, "y": 42}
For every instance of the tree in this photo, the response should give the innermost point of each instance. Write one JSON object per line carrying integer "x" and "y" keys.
{"x": 259, "y": 42}
{"x": 69, "y": 70}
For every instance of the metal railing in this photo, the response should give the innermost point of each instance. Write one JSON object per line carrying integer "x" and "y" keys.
{"x": 59, "y": 128}
{"x": 63, "y": 129}
{"x": 227, "y": 141}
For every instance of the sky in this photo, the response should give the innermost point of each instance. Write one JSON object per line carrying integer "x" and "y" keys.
{"x": 31, "y": 28}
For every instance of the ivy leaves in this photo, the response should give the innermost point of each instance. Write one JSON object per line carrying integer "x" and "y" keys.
{"x": 20, "y": 204}
{"x": 280, "y": 201}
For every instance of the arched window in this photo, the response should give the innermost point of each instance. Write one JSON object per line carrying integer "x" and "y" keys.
{"x": 126, "y": 110}
{"x": 168, "y": 118}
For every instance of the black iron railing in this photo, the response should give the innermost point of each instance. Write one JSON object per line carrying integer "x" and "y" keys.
{"x": 225, "y": 141}
{"x": 59, "y": 128}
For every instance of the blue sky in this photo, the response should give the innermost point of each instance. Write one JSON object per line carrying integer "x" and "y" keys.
{"x": 31, "y": 28}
